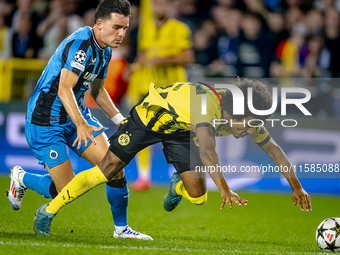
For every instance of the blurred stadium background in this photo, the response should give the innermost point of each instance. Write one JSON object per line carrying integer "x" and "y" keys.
{"x": 284, "y": 42}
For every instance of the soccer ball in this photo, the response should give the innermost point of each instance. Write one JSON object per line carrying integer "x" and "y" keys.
{"x": 328, "y": 234}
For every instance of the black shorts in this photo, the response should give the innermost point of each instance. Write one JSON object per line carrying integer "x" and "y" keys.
{"x": 133, "y": 136}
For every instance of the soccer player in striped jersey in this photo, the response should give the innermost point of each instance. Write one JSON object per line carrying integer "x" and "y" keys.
{"x": 172, "y": 115}
{"x": 56, "y": 117}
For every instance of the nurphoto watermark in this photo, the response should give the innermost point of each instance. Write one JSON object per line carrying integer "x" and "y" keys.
{"x": 239, "y": 102}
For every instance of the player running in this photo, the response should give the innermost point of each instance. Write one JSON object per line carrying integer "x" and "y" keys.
{"x": 172, "y": 115}
{"x": 56, "y": 116}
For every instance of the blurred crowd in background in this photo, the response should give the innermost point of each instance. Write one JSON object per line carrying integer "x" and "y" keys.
{"x": 254, "y": 38}
{"x": 251, "y": 38}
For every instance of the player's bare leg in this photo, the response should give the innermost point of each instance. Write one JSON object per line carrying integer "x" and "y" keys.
{"x": 110, "y": 166}
{"x": 195, "y": 187}
{"x": 95, "y": 153}
{"x": 81, "y": 183}
{"x": 116, "y": 190}
{"x": 61, "y": 174}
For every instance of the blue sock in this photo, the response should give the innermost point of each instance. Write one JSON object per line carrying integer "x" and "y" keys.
{"x": 118, "y": 198}
{"x": 39, "y": 183}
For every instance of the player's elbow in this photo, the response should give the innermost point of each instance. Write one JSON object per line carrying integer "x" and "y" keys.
{"x": 207, "y": 156}
{"x": 62, "y": 93}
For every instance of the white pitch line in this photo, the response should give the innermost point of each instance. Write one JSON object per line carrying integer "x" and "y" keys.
{"x": 69, "y": 245}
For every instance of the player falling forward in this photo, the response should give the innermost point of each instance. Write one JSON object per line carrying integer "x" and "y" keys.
{"x": 172, "y": 115}
{"x": 56, "y": 116}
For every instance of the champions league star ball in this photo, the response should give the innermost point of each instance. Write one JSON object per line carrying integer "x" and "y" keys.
{"x": 328, "y": 234}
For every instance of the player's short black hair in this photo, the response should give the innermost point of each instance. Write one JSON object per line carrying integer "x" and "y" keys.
{"x": 262, "y": 99}
{"x": 107, "y": 7}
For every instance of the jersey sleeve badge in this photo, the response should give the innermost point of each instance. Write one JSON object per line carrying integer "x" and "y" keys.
{"x": 80, "y": 56}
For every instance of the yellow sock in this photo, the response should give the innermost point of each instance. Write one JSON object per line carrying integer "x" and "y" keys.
{"x": 79, "y": 185}
{"x": 180, "y": 190}
{"x": 143, "y": 163}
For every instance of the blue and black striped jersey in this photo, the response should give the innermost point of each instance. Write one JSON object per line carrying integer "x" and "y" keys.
{"x": 80, "y": 53}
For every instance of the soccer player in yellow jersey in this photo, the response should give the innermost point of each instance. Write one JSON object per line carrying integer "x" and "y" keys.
{"x": 172, "y": 115}
{"x": 165, "y": 47}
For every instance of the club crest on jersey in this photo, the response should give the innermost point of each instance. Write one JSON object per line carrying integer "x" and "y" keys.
{"x": 80, "y": 56}
{"x": 53, "y": 154}
{"x": 124, "y": 139}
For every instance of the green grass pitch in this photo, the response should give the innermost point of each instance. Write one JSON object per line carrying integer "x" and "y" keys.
{"x": 270, "y": 224}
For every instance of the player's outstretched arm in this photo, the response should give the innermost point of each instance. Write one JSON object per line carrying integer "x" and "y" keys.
{"x": 209, "y": 157}
{"x": 68, "y": 80}
{"x": 280, "y": 159}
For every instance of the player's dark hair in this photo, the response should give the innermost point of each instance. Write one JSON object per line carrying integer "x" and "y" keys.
{"x": 262, "y": 99}
{"x": 107, "y": 7}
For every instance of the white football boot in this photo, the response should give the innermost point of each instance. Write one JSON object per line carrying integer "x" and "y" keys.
{"x": 17, "y": 189}
{"x": 127, "y": 232}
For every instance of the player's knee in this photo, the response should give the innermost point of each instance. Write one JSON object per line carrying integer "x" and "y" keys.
{"x": 199, "y": 200}
{"x": 111, "y": 165}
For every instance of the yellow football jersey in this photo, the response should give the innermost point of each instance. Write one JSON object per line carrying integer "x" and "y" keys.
{"x": 166, "y": 41}
{"x": 178, "y": 108}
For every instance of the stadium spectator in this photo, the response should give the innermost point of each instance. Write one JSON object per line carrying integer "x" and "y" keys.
{"x": 205, "y": 43}
{"x": 6, "y": 9}
{"x": 256, "y": 6}
{"x": 226, "y": 4}
{"x": 40, "y": 7}
{"x": 291, "y": 54}
{"x": 25, "y": 44}
{"x": 293, "y": 16}
{"x": 325, "y": 5}
{"x": 292, "y": 4}
{"x": 314, "y": 22}
{"x": 24, "y": 7}
{"x": 60, "y": 23}
{"x": 228, "y": 41}
{"x": 253, "y": 56}
{"x": 332, "y": 40}
{"x": 187, "y": 11}
{"x": 317, "y": 58}
{"x": 276, "y": 33}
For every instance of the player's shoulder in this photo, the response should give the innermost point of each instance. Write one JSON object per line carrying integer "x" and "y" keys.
{"x": 83, "y": 33}
{"x": 80, "y": 37}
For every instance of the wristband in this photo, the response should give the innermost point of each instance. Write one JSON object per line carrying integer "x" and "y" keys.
{"x": 118, "y": 118}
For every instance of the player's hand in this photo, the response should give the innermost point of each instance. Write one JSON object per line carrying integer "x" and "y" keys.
{"x": 84, "y": 133}
{"x": 229, "y": 197}
{"x": 301, "y": 196}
